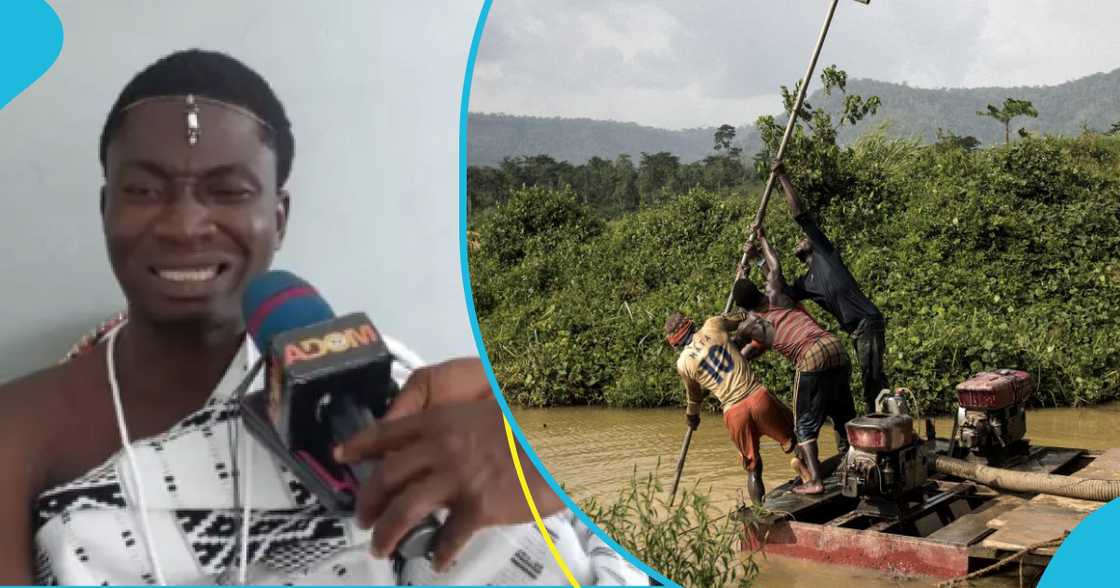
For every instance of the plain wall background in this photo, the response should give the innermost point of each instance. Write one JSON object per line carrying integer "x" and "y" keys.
{"x": 373, "y": 89}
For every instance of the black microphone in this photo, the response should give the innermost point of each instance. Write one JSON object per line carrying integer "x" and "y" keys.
{"x": 327, "y": 378}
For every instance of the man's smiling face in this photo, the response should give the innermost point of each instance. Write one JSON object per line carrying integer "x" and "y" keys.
{"x": 187, "y": 227}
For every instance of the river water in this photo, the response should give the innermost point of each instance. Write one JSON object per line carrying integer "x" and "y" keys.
{"x": 593, "y": 451}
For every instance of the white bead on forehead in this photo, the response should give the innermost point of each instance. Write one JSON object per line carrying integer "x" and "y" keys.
{"x": 193, "y": 129}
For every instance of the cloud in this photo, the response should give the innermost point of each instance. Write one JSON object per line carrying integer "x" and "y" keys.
{"x": 685, "y": 64}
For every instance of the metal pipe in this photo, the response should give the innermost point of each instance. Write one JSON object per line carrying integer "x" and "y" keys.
{"x": 789, "y": 132}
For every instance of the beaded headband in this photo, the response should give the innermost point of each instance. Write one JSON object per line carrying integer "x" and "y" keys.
{"x": 194, "y": 128}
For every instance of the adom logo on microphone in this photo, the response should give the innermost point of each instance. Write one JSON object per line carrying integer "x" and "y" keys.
{"x": 332, "y": 342}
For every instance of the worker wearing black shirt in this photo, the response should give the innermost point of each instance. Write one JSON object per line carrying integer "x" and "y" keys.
{"x": 829, "y": 283}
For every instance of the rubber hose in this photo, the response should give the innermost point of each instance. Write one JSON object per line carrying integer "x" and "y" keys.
{"x": 1068, "y": 486}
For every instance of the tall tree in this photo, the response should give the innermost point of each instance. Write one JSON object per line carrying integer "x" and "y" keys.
{"x": 723, "y": 137}
{"x": 1011, "y": 108}
{"x": 625, "y": 183}
{"x": 657, "y": 175}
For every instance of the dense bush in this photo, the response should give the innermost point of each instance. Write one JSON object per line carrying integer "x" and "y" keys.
{"x": 1000, "y": 257}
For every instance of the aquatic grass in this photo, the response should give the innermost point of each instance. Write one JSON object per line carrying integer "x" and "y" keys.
{"x": 690, "y": 541}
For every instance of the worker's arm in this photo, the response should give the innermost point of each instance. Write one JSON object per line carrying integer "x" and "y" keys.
{"x": 695, "y": 395}
{"x": 816, "y": 237}
{"x": 787, "y": 188}
{"x": 752, "y": 350}
{"x": 753, "y": 257}
{"x": 775, "y": 283}
{"x": 729, "y": 321}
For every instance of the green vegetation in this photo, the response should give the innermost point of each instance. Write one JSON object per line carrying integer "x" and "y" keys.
{"x": 689, "y": 542}
{"x": 979, "y": 258}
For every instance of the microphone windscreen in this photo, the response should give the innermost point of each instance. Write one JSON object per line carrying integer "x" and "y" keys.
{"x": 278, "y": 301}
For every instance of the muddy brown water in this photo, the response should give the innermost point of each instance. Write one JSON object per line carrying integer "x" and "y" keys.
{"x": 594, "y": 451}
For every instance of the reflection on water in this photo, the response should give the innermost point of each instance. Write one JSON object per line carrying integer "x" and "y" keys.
{"x": 593, "y": 452}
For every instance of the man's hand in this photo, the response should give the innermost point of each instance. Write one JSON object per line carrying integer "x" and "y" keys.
{"x": 751, "y": 250}
{"x": 442, "y": 444}
{"x": 693, "y": 421}
{"x": 777, "y": 168}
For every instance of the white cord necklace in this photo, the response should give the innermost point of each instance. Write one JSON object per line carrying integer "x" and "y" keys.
{"x": 141, "y": 505}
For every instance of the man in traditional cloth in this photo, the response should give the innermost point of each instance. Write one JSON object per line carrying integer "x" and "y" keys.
{"x": 829, "y": 283}
{"x": 710, "y": 361}
{"x": 127, "y": 465}
{"x": 820, "y": 384}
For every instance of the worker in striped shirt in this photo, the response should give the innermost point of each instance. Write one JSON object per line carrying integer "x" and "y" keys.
{"x": 821, "y": 382}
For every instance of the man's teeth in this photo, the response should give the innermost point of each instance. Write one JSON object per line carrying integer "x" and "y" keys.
{"x": 191, "y": 275}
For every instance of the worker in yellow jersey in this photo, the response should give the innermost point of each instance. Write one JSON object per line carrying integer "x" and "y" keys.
{"x": 710, "y": 360}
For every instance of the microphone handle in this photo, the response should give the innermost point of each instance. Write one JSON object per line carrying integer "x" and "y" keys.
{"x": 346, "y": 418}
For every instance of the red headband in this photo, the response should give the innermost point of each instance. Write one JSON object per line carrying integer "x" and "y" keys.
{"x": 678, "y": 336}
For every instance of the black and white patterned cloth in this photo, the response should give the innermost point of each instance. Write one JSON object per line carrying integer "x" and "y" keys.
{"x": 88, "y": 531}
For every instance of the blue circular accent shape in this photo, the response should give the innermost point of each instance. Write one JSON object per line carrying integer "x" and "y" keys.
{"x": 30, "y": 41}
{"x": 1085, "y": 557}
{"x": 466, "y": 273}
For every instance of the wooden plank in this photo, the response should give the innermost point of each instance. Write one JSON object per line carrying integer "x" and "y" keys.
{"x": 1074, "y": 504}
{"x": 783, "y": 499}
{"x": 1105, "y": 467}
{"x": 844, "y": 519}
{"x": 1029, "y": 524}
{"x": 1047, "y": 460}
{"x": 973, "y": 527}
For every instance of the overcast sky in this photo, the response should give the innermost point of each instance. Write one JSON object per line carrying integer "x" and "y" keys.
{"x": 680, "y": 64}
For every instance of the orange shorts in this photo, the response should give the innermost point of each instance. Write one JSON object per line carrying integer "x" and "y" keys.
{"x": 758, "y": 414}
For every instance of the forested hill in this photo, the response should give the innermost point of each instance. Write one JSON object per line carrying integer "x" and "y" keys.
{"x": 493, "y": 137}
{"x": 1064, "y": 109}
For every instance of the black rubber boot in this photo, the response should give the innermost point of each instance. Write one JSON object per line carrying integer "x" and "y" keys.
{"x": 842, "y": 444}
{"x": 811, "y": 459}
{"x": 755, "y": 489}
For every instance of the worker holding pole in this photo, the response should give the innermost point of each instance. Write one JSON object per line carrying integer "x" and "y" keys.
{"x": 709, "y": 360}
{"x": 829, "y": 283}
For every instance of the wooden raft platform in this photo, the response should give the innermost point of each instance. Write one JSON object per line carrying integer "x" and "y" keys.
{"x": 1046, "y": 517}
{"x": 957, "y": 527}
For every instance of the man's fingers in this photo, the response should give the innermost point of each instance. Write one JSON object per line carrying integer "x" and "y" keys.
{"x": 453, "y": 536}
{"x": 459, "y": 380}
{"x": 416, "y": 501}
{"x": 450, "y": 382}
{"x": 390, "y": 474}
{"x": 413, "y": 398}
{"x": 379, "y": 438}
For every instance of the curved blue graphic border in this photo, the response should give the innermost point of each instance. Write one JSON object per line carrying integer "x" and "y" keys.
{"x": 30, "y": 41}
{"x": 463, "y": 119}
{"x": 1084, "y": 557}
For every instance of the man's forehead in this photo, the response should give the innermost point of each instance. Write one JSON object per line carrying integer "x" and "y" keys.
{"x": 161, "y": 132}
